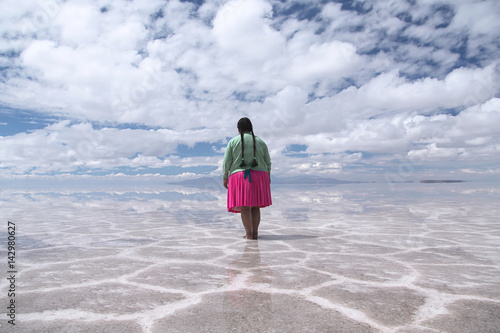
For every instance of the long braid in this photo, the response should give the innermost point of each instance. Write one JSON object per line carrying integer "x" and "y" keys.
{"x": 244, "y": 126}
{"x": 254, "y": 163}
{"x": 242, "y": 164}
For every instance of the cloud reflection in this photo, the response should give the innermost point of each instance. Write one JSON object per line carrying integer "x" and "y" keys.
{"x": 345, "y": 251}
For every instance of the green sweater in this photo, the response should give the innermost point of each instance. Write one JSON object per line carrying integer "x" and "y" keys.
{"x": 232, "y": 156}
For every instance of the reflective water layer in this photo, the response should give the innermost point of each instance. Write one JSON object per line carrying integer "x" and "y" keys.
{"x": 349, "y": 258}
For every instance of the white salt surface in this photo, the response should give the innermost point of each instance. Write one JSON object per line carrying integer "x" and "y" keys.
{"x": 351, "y": 258}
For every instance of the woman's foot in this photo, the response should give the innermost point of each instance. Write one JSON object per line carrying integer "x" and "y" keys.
{"x": 255, "y": 236}
{"x": 248, "y": 237}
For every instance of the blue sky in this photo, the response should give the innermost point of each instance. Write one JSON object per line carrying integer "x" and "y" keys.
{"x": 370, "y": 90}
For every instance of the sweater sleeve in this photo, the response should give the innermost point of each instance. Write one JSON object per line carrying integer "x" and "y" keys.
{"x": 228, "y": 160}
{"x": 267, "y": 158}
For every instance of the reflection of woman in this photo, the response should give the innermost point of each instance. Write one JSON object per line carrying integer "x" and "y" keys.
{"x": 246, "y": 173}
{"x": 246, "y": 272}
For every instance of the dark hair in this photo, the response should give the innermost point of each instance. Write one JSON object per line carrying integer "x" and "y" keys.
{"x": 245, "y": 125}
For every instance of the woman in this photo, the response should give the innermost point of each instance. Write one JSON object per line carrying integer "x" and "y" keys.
{"x": 246, "y": 173}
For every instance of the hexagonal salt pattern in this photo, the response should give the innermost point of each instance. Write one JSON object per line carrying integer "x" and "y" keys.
{"x": 351, "y": 258}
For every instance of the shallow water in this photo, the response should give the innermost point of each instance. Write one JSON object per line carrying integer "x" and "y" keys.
{"x": 358, "y": 257}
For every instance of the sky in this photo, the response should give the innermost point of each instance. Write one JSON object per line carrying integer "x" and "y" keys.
{"x": 356, "y": 90}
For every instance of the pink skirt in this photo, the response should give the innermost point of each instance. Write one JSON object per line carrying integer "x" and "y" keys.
{"x": 241, "y": 192}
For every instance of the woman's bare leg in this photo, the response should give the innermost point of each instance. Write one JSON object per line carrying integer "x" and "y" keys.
{"x": 255, "y": 222}
{"x": 246, "y": 218}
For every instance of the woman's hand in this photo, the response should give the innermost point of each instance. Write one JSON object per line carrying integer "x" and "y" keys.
{"x": 224, "y": 183}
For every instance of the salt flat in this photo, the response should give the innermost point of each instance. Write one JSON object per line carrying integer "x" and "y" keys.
{"x": 348, "y": 258}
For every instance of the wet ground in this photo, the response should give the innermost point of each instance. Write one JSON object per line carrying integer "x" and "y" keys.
{"x": 348, "y": 258}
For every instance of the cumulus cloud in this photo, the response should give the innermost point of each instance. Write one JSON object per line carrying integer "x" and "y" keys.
{"x": 68, "y": 147}
{"x": 332, "y": 59}
{"x": 241, "y": 28}
{"x": 357, "y": 84}
{"x": 467, "y": 136}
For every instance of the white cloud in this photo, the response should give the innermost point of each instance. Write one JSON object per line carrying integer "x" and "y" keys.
{"x": 489, "y": 171}
{"x": 400, "y": 78}
{"x": 470, "y": 135}
{"x": 332, "y": 60}
{"x": 65, "y": 147}
{"x": 242, "y": 29}
{"x": 390, "y": 93}
{"x": 468, "y": 14}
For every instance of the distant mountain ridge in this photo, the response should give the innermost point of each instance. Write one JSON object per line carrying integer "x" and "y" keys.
{"x": 296, "y": 180}
{"x": 442, "y": 181}
{"x": 309, "y": 180}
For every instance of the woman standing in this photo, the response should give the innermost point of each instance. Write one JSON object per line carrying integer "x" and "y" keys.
{"x": 246, "y": 173}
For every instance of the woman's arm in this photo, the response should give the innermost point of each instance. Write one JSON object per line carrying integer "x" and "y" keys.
{"x": 226, "y": 164}
{"x": 267, "y": 159}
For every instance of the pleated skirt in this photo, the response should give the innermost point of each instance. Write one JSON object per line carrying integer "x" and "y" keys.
{"x": 243, "y": 193}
